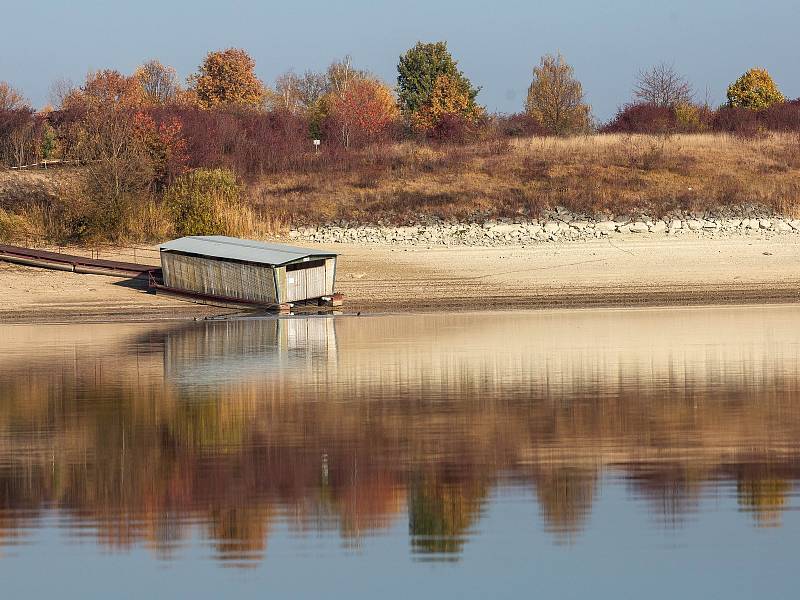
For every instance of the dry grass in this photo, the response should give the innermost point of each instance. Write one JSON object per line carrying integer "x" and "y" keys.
{"x": 593, "y": 175}
{"x": 598, "y": 175}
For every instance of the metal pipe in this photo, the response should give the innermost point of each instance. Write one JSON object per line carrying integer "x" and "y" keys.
{"x": 33, "y": 262}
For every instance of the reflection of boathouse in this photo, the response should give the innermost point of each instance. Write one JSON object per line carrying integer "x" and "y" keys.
{"x": 241, "y": 349}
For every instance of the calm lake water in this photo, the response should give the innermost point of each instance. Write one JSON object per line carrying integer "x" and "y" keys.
{"x": 605, "y": 454}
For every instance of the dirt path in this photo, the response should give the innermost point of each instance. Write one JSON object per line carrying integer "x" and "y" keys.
{"x": 620, "y": 272}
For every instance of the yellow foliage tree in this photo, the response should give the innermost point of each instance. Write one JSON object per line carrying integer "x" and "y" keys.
{"x": 448, "y": 97}
{"x": 555, "y": 97}
{"x": 159, "y": 82}
{"x": 226, "y": 78}
{"x": 11, "y": 99}
{"x": 754, "y": 90}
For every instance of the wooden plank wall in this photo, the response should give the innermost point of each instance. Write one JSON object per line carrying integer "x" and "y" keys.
{"x": 305, "y": 283}
{"x": 219, "y": 277}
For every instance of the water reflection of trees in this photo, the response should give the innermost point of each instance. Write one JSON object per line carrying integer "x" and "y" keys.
{"x": 442, "y": 512}
{"x": 137, "y": 439}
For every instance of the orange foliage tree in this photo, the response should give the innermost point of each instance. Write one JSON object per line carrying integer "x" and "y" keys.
{"x": 107, "y": 88}
{"x": 227, "y": 77}
{"x": 362, "y": 112}
{"x": 449, "y": 97}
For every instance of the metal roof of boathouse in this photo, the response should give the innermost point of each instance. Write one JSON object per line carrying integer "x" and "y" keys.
{"x": 251, "y": 251}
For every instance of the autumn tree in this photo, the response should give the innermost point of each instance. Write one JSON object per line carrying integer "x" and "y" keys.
{"x": 165, "y": 146}
{"x": 299, "y": 93}
{"x": 19, "y": 128}
{"x": 159, "y": 82}
{"x": 11, "y": 99}
{"x": 60, "y": 90}
{"x": 19, "y": 134}
{"x": 419, "y": 71}
{"x": 119, "y": 167}
{"x": 341, "y": 74}
{"x": 363, "y": 112}
{"x": 662, "y": 86}
{"x": 226, "y": 78}
{"x": 106, "y": 88}
{"x": 555, "y": 97}
{"x": 754, "y": 90}
{"x": 448, "y": 98}
{"x": 309, "y": 94}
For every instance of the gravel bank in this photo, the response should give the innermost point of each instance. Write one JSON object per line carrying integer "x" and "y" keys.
{"x": 557, "y": 226}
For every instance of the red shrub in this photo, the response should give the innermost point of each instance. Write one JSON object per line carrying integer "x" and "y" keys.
{"x": 784, "y": 116}
{"x": 248, "y": 142}
{"x": 453, "y": 128}
{"x": 738, "y": 121}
{"x": 517, "y": 125}
{"x": 642, "y": 118}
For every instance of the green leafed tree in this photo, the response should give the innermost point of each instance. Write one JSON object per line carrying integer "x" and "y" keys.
{"x": 418, "y": 71}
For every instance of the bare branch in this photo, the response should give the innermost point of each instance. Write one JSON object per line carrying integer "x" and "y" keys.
{"x": 662, "y": 86}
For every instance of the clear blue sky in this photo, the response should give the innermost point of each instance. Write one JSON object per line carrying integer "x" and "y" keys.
{"x": 496, "y": 43}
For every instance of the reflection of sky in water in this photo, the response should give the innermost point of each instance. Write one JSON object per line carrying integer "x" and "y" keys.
{"x": 603, "y": 453}
{"x": 621, "y": 554}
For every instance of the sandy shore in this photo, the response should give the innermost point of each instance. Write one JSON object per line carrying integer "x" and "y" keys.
{"x": 619, "y": 272}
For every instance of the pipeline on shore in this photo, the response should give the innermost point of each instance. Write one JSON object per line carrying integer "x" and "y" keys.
{"x": 76, "y": 264}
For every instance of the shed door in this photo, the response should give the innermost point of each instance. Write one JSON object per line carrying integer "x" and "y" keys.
{"x": 305, "y": 280}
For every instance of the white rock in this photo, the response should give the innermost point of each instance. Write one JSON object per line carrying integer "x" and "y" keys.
{"x": 550, "y": 227}
{"x": 605, "y": 226}
{"x": 503, "y": 229}
{"x": 782, "y": 226}
{"x": 675, "y": 224}
{"x": 638, "y": 227}
{"x": 694, "y": 224}
{"x": 765, "y": 224}
{"x": 658, "y": 227}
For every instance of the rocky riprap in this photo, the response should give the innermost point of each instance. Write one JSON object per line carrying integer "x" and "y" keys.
{"x": 559, "y": 225}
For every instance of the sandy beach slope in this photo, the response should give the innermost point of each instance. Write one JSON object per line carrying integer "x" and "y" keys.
{"x": 607, "y": 272}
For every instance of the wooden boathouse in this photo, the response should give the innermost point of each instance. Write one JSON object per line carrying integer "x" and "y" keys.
{"x": 248, "y": 271}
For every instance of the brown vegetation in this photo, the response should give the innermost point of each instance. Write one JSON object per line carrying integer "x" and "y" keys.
{"x": 609, "y": 174}
{"x": 616, "y": 174}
